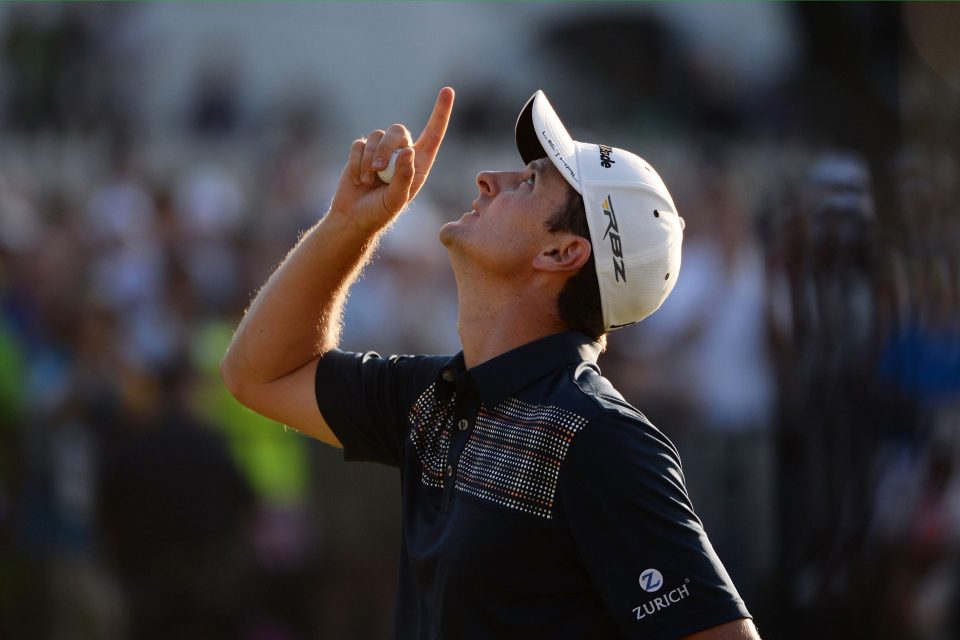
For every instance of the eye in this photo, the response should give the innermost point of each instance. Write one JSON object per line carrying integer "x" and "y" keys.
{"x": 531, "y": 180}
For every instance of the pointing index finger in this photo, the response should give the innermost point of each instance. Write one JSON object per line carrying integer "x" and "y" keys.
{"x": 429, "y": 141}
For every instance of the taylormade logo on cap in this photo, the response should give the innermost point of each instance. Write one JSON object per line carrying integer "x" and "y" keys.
{"x": 605, "y": 156}
{"x": 636, "y": 246}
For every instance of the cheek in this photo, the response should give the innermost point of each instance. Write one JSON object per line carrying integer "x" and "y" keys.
{"x": 497, "y": 249}
{"x": 506, "y": 237}
{"x": 515, "y": 247}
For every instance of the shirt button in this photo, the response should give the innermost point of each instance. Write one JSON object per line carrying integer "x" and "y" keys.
{"x": 464, "y": 424}
{"x": 449, "y": 470}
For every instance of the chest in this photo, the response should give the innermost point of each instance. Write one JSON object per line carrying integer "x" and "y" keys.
{"x": 480, "y": 488}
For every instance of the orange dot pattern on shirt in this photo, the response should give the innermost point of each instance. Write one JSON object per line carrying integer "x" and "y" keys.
{"x": 431, "y": 420}
{"x": 514, "y": 454}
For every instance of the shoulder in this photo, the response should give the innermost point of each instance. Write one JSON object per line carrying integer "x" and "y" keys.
{"x": 618, "y": 446}
{"x": 613, "y": 423}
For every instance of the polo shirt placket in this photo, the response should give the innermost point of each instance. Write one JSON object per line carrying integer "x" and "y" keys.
{"x": 466, "y": 405}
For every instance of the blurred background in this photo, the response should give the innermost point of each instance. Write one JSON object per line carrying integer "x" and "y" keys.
{"x": 158, "y": 160}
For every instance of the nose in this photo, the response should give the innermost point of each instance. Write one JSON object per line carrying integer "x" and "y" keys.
{"x": 487, "y": 182}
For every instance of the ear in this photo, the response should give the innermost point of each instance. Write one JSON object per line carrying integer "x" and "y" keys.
{"x": 565, "y": 253}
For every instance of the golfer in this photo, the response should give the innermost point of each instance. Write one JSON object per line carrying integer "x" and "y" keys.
{"x": 537, "y": 503}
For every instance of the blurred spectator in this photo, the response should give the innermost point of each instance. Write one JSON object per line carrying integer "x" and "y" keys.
{"x": 829, "y": 398}
{"x": 919, "y": 546}
{"x": 215, "y": 106}
{"x": 210, "y": 205}
{"x": 68, "y": 67}
{"x": 175, "y": 513}
{"x": 36, "y": 53}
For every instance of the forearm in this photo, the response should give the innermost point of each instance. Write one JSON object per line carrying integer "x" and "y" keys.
{"x": 296, "y": 315}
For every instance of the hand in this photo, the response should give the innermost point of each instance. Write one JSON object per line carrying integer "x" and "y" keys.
{"x": 367, "y": 201}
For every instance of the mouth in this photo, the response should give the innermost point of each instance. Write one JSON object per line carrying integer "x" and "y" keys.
{"x": 472, "y": 212}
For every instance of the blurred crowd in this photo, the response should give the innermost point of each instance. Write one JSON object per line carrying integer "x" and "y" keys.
{"x": 807, "y": 365}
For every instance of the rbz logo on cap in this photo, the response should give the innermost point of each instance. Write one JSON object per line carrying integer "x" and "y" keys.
{"x": 651, "y": 580}
{"x": 619, "y": 270}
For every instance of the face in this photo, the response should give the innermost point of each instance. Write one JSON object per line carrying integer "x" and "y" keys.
{"x": 507, "y": 225}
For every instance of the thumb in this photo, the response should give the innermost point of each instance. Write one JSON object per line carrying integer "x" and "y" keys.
{"x": 397, "y": 194}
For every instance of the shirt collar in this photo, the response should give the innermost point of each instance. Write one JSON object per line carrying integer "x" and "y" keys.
{"x": 498, "y": 378}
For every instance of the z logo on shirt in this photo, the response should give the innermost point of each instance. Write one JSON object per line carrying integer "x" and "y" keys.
{"x": 651, "y": 580}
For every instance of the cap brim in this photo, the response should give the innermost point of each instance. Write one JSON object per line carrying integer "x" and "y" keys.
{"x": 540, "y": 133}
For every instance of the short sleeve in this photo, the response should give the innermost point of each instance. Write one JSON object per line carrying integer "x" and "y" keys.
{"x": 624, "y": 499}
{"x": 366, "y": 398}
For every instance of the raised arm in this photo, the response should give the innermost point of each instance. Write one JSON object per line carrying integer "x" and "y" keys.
{"x": 295, "y": 318}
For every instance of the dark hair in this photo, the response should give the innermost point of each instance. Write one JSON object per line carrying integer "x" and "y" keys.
{"x": 579, "y": 300}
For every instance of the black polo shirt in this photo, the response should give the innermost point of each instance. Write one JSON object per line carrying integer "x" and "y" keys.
{"x": 537, "y": 503}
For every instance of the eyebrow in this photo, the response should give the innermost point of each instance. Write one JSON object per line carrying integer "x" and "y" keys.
{"x": 537, "y": 167}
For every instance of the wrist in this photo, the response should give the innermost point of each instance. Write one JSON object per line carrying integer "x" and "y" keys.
{"x": 353, "y": 225}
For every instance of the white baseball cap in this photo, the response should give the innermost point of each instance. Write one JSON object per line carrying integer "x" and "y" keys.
{"x": 635, "y": 230}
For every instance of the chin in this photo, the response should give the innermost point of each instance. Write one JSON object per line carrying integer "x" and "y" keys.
{"x": 457, "y": 228}
{"x": 449, "y": 233}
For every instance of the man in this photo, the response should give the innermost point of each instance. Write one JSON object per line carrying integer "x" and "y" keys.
{"x": 536, "y": 502}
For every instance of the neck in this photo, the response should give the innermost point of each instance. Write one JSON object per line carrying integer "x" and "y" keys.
{"x": 494, "y": 318}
